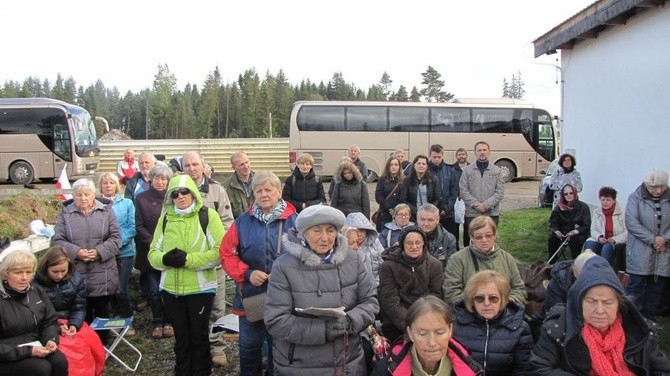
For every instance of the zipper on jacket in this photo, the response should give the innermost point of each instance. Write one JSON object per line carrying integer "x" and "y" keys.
{"x": 486, "y": 346}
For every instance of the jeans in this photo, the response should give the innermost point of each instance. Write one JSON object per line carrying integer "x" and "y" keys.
{"x": 614, "y": 254}
{"x": 190, "y": 318}
{"x": 150, "y": 282}
{"x": 644, "y": 291}
{"x": 252, "y": 335}
{"x": 121, "y": 302}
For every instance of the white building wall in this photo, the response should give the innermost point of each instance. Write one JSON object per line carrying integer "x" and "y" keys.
{"x": 616, "y": 104}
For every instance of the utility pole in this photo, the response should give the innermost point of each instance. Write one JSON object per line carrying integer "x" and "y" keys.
{"x": 270, "y": 122}
{"x": 146, "y": 126}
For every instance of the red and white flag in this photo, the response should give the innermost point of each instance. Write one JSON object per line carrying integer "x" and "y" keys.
{"x": 63, "y": 183}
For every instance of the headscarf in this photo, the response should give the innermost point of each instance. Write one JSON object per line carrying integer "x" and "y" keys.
{"x": 563, "y": 204}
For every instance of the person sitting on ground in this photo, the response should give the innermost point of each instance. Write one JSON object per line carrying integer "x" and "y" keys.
{"x": 441, "y": 243}
{"x": 608, "y": 230}
{"x": 367, "y": 242}
{"x": 429, "y": 348}
{"x": 598, "y": 332}
{"x": 408, "y": 273}
{"x": 67, "y": 292}
{"x": 388, "y": 237}
{"x": 481, "y": 254}
{"x": 492, "y": 327}
{"x": 28, "y": 327}
{"x": 350, "y": 192}
{"x": 571, "y": 219}
{"x": 303, "y": 188}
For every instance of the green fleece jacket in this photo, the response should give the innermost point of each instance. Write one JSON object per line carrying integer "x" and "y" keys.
{"x": 461, "y": 267}
{"x": 185, "y": 232}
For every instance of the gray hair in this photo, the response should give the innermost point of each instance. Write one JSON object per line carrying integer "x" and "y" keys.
{"x": 265, "y": 176}
{"x": 83, "y": 184}
{"x": 580, "y": 261}
{"x": 428, "y": 207}
{"x": 161, "y": 170}
{"x": 146, "y": 153}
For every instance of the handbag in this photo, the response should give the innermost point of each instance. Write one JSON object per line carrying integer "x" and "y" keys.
{"x": 375, "y": 216}
{"x": 254, "y": 305}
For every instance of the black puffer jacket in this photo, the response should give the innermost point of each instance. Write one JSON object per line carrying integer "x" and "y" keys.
{"x": 25, "y": 318}
{"x": 501, "y": 345}
{"x": 561, "y": 349}
{"x": 410, "y": 191}
{"x": 68, "y": 297}
{"x": 383, "y": 190}
{"x": 299, "y": 189}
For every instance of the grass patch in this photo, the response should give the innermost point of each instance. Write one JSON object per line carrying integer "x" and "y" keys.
{"x": 524, "y": 233}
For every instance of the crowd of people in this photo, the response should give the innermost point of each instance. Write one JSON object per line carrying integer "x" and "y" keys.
{"x": 318, "y": 275}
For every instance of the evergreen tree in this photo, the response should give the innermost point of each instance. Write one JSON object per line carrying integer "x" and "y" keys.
{"x": 401, "y": 95}
{"x": 160, "y": 103}
{"x": 208, "y": 109}
{"x": 505, "y": 89}
{"x": 385, "y": 84}
{"x": 415, "y": 96}
{"x": 433, "y": 92}
{"x": 376, "y": 93}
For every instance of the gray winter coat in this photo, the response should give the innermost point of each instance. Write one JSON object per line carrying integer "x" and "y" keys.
{"x": 642, "y": 226}
{"x": 487, "y": 189}
{"x": 99, "y": 230}
{"x": 300, "y": 280}
{"x": 371, "y": 248}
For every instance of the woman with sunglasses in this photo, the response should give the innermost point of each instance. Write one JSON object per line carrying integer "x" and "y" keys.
{"x": 570, "y": 218}
{"x": 491, "y": 326}
{"x": 186, "y": 254}
{"x": 482, "y": 254}
{"x": 407, "y": 273}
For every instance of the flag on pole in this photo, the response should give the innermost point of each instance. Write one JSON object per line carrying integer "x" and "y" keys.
{"x": 63, "y": 183}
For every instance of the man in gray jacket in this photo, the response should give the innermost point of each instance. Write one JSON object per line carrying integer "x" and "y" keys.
{"x": 481, "y": 188}
{"x": 441, "y": 243}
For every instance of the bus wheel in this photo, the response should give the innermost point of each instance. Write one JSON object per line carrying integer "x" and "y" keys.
{"x": 21, "y": 173}
{"x": 508, "y": 171}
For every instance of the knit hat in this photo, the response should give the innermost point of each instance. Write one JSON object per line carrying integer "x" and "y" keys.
{"x": 655, "y": 178}
{"x": 319, "y": 215}
{"x": 406, "y": 230}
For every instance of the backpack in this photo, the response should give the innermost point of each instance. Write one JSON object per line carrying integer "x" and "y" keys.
{"x": 535, "y": 280}
{"x": 203, "y": 216}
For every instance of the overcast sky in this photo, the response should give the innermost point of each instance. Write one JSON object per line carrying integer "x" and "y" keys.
{"x": 472, "y": 44}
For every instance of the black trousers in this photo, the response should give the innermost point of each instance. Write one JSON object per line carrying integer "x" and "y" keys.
{"x": 450, "y": 225}
{"x": 189, "y": 315}
{"x": 98, "y": 306}
{"x": 55, "y": 364}
{"x": 576, "y": 244}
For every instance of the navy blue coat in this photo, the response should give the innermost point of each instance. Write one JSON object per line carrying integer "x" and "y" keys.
{"x": 68, "y": 297}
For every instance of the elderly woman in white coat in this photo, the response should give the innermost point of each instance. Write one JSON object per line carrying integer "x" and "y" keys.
{"x": 317, "y": 269}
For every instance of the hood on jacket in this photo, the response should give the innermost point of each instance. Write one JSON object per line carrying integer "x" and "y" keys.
{"x": 182, "y": 181}
{"x": 358, "y": 221}
{"x": 596, "y": 272}
{"x": 296, "y": 246}
{"x": 346, "y": 165}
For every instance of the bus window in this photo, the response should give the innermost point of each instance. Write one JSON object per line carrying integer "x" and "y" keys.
{"x": 321, "y": 118}
{"x": 366, "y": 118}
{"x": 451, "y": 119}
{"x": 496, "y": 120}
{"x": 413, "y": 119}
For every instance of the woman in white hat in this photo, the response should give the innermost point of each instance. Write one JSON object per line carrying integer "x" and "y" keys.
{"x": 317, "y": 269}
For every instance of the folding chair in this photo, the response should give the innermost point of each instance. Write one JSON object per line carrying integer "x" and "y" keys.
{"x": 118, "y": 327}
{"x": 559, "y": 251}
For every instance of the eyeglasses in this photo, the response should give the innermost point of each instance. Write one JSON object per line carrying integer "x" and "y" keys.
{"x": 569, "y": 194}
{"x": 482, "y": 237}
{"x": 480, "y": 299}
{"x": 416, "y": 244}
{"x": 180, "y": 191}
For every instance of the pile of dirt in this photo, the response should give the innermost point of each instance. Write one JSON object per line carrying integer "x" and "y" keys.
{"x": 16, "y": 213}
{"x": 115, "y": 134}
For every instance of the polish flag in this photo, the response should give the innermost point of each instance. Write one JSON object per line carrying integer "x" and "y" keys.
{"x": 63, "y": 183}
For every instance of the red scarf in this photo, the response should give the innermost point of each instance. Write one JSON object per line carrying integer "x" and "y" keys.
{"x": 609, "y": 225}
{"x": 606, "y": 349}
{"x": 129, "y": 171}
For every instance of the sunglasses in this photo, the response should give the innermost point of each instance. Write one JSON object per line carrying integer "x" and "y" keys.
{"x": 180, "y": 191}
{"x": 568, "y": 194}
{"x": 493, "y": 299}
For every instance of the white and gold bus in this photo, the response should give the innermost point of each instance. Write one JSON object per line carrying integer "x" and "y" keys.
{"x": 522, "y": 137}
{"x": 38, "y": 136}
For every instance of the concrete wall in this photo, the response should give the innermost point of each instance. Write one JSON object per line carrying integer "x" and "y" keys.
{"x": 616, "y": 104}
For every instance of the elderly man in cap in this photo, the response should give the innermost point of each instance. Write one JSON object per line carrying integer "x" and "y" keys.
{"x": 648, "y": 225}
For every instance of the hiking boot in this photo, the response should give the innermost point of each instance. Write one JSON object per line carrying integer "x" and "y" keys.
{"x": 219, "y": 359}
{"x": 157, "y": 333}
{"x": 168, "y": 331}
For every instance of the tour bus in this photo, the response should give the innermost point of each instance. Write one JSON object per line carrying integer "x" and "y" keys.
{"x": 521, "y": 137}
{"x": 38, "y": 136}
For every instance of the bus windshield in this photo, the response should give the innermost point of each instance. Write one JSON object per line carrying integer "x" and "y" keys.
{"x": 85, "y": 139}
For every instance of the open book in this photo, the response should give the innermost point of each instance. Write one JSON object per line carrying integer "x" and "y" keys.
{"x": 322, "y": 312}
